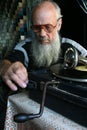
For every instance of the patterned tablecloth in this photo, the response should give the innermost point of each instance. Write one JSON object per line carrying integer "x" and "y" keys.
{"x": 49, "y": 120}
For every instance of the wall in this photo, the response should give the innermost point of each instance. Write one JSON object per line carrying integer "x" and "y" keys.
{"x": 13, "y": 24}
{"x": 74, "y": 21}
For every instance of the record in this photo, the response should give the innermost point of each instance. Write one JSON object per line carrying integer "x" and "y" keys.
{"x": 59, "y": 71}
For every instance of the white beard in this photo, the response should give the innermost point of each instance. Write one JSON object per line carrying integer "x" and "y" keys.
{"x": 46, "y": 54}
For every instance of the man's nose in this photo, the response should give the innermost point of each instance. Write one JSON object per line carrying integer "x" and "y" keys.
{"x": 42, "y": 32}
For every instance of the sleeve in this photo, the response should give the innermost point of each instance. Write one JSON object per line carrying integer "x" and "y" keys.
{"x": 15, "y": 55}
{"x": 20, "y": 53}
{"x": 82, "y": 51}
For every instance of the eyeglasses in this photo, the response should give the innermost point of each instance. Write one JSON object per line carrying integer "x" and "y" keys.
{"x": 47, "y": 27}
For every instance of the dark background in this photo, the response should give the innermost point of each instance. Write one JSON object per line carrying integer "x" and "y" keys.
{"x": 74, "y": 21}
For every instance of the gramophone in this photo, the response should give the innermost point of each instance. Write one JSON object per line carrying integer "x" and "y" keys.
{"x": 58, "y": 81}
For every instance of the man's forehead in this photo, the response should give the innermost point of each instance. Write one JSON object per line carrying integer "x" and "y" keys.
{"x": 44, "y": 7}
{"x": 44, "y": 15}
{"x": 44, "y": 4}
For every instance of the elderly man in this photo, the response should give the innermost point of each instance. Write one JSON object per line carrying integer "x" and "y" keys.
{"x": 42, "y": 50}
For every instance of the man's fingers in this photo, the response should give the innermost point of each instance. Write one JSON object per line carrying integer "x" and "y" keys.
{"x": 17, "y": 80}
{"x": 11, "y": 85}
{"x": 22, "y": 74}
{"x": 16, "y": 76}
{"x": 20, "y": 71}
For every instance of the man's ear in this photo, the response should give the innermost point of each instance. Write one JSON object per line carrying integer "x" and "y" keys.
{"x": 59, "y": 24}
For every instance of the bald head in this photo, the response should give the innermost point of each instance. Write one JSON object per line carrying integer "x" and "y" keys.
{"x": 45, "y": 10}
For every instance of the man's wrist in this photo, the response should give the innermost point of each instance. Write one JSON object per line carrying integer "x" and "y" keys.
{"x": 4, "y": 65}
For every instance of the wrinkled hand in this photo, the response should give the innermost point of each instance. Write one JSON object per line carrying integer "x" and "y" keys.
{"x": 14, "y": 75}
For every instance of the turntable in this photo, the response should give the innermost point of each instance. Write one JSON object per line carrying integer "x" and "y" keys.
{"x": 78, "y": 74}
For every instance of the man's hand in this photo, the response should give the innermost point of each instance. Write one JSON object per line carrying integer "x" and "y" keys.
{"x": 14, "y": 74}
